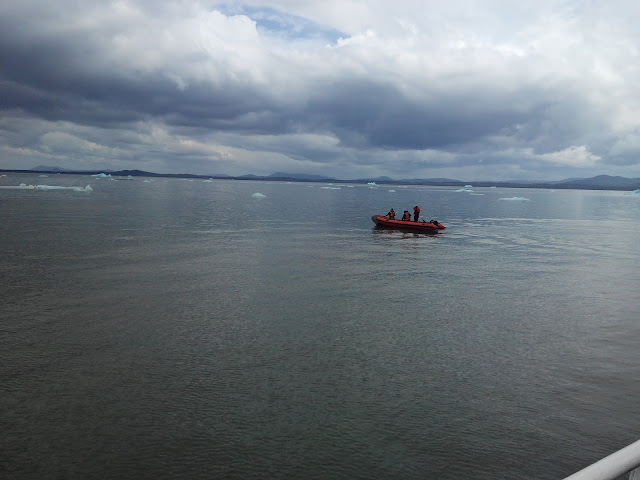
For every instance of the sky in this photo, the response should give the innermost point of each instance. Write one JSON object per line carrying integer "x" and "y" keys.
{"x": 462, "y": 89}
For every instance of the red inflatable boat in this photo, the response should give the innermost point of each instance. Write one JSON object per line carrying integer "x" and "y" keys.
{"x": 432, "y": 226}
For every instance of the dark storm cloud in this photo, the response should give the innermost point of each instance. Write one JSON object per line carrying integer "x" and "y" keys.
{"x": 380, "y": 116}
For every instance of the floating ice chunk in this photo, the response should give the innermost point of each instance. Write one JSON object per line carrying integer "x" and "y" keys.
{"x": 57, "y": 187}
{"x": 102, "y": 175}
{"x": 635, "y": 191}
{"x": 464, "y": 190}
{"x": 24, "y": 186}
{"x": 331, "y": 188}
{"x": 147, "y": 181}
{"x": 43, "y": 176}
{"x": 258, "y": 196}
{"x": 472, "y": 193}
{"x": 392, "y": 191}
{"x": 209, "y": 180}
{"x": 373, "y": 184}
{"x": 515, "y": 199}
{"x": 468, "y": 186}
{"x": 493, "y": 187}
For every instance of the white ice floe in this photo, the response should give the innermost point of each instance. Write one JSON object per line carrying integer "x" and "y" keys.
{"x": 24, "y": 186}
{"x": 56, "y": 187}
{"x": 635, "y": 191}
{"x": 392, "y": 191}
{"x": 373, "y": 184}
{"x": 515, "y": 199}
{"x": 43, "y": 176}
{"x": 102, "y": 175}
{"x": 258, "y": 196}
{"x": 464, "y": 190}
{"x": 468, "y": 186}
{"x": 331, "y": 188}
{"x": 147, "y": 181}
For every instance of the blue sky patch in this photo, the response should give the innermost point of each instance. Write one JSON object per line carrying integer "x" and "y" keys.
{"x": 276, "y": 22}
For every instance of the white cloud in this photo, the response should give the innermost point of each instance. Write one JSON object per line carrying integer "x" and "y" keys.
{"x": 575, "y": 156}
{"x": 355, "y": 86}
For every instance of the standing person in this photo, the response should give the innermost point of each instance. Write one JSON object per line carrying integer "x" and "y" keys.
{"x": 416, "y": 213}
{"x": 391, "y": 214}
{"x": 406, "y": 215}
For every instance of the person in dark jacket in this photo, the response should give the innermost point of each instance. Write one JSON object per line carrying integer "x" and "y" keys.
{"x": 406, "y": 215}
{"x": 391, "y": 214}
{"x": 416, "y": 213}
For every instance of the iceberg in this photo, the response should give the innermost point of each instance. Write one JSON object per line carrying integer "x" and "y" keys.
{"x": 468, "y": 186}
{"x": 102, "y": 175}
{"x": 24, "y": 186}
{"x": 635, "y": 191}
{"x": 373, "y": 184}
{"x": 392, "y": 191}
{"x": 56, "y": 187}
{"x": 515, "y": 199}
{"x": 331, "y": 188}
{"x": 464, "y": 190}
{"x": 258, "y": 196}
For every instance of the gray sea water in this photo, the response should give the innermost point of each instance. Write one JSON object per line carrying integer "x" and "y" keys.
{"x": 185, "y": 329}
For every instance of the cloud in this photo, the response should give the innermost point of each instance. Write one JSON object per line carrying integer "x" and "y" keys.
{"x": 572, "y": 156}
{"x": 349, "y": 88}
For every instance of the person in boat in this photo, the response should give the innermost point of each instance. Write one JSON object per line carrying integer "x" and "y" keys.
{"x": 416, "y": 213}
{"x": 391, "y": 214}
{"x": 406, "y": 216}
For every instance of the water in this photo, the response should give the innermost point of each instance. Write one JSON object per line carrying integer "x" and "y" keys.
{"x": 183, "y": 329}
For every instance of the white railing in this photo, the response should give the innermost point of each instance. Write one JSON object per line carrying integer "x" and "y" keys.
{"x": 614, "y": 466}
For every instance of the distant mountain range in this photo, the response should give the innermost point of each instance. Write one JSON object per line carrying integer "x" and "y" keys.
{"x": 604, "y": 181}
{"x": 600, "y": 182}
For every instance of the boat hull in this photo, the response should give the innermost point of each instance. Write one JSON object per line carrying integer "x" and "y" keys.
{"x": 425, "y": 227}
